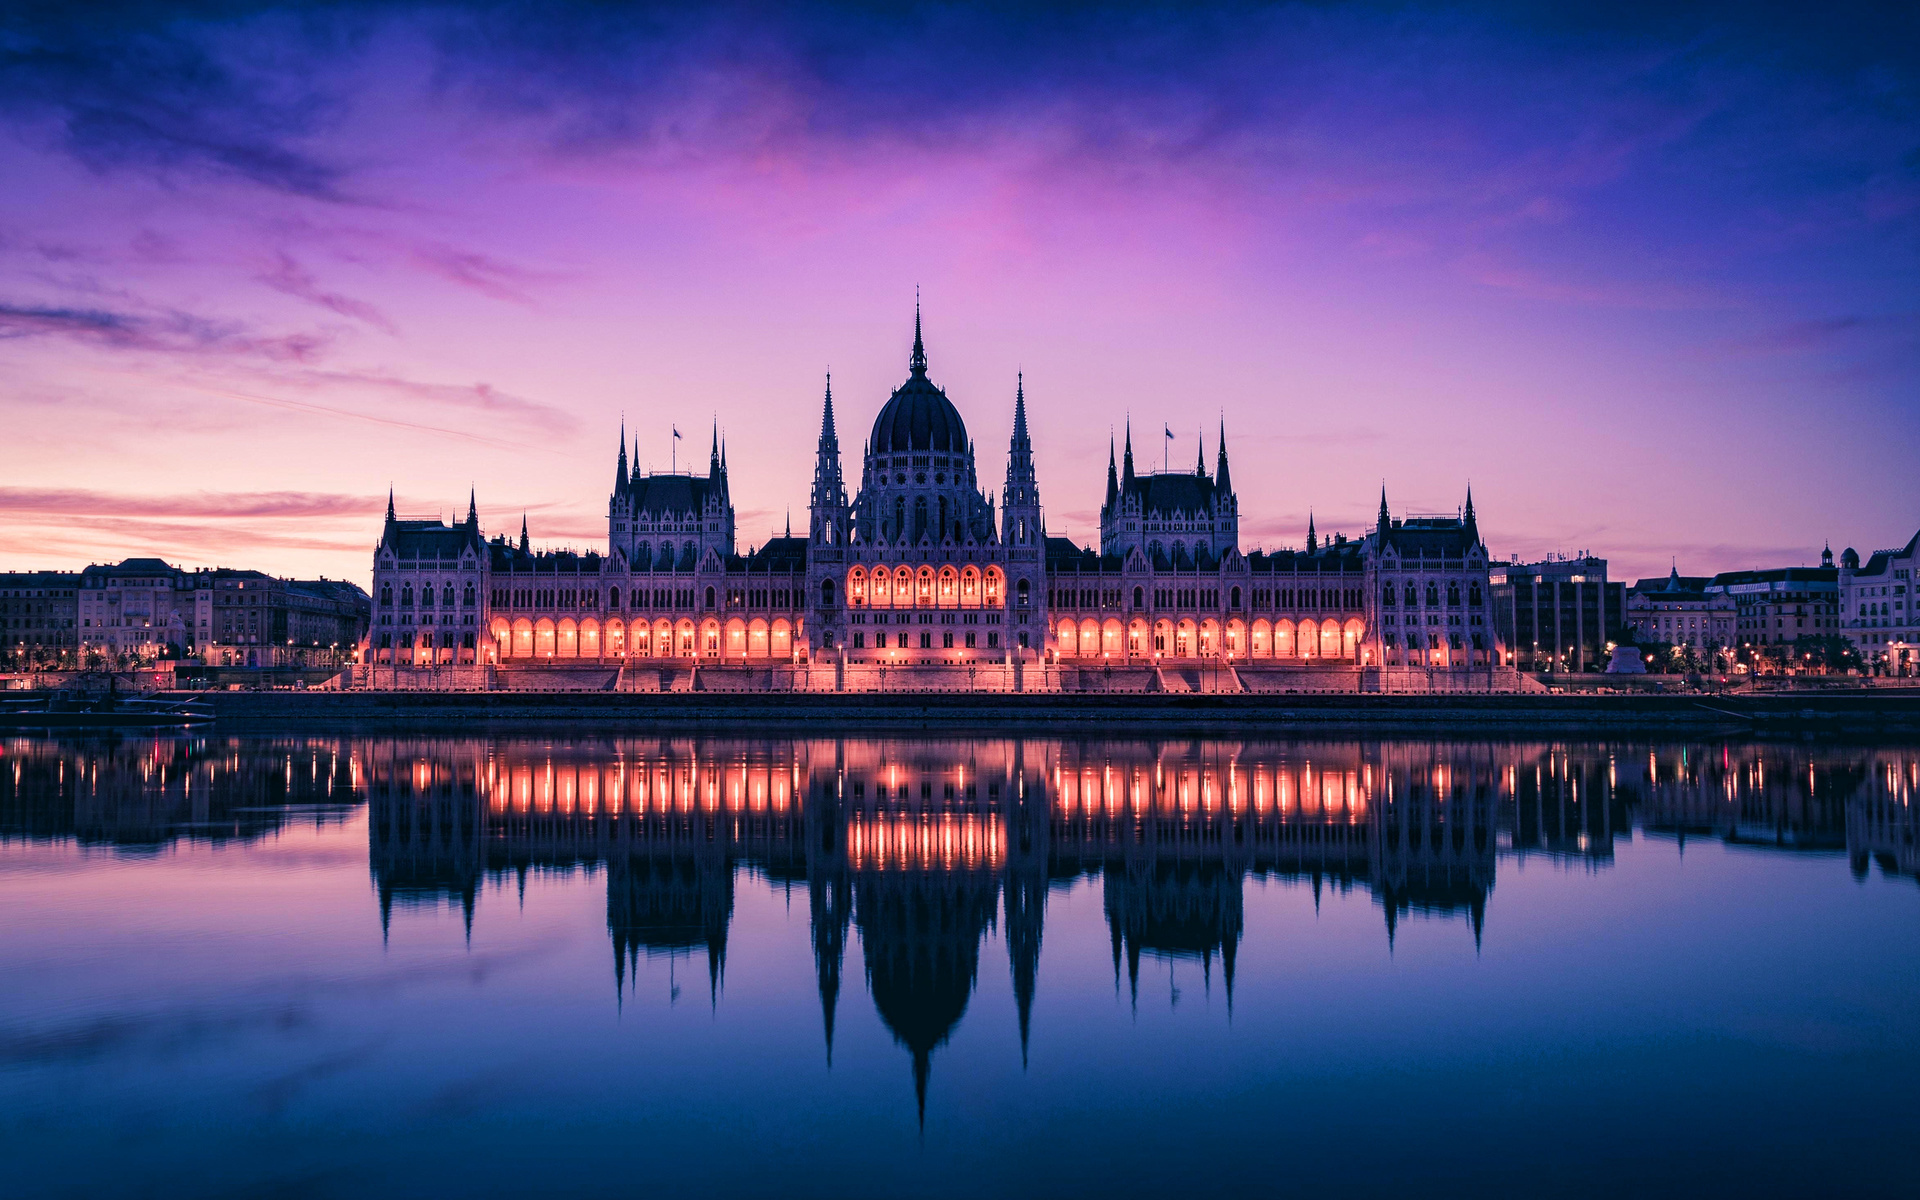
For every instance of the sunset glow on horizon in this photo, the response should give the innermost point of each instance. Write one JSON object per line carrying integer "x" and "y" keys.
{"x": 1646, "y": 281}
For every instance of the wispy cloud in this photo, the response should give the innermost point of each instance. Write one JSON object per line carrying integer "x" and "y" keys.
{"x": 479, "y": 272}
{"x": 81, "y": 502}
{"x": 289, "y": 277}
{"x": 167, "y": 331}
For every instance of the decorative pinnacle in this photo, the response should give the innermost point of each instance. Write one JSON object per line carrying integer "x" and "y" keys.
{"x": 919, "y": 360}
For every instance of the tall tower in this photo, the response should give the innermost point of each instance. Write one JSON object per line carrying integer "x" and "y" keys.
{"x": 1023, "y": 533}
{"x": 829, "y": 503}
{"x": 1226, "y": 506}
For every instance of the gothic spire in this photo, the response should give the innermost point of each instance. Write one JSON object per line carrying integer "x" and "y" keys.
{"x": 622, "y": 477}
{"x": 526, "y": 546}
{"x": 1020, "y": 407}
{"x": 1473, "y": 527}
{"x": 827, "y": 434}
{"x": 1312, "y": 541}
{"x": 1386, "y": 517}
{"x": 918, "y": 363}
{"x": 1113, "y": 475}
{"x": 1221, "y": 481}
{"x": 1200, "y": 457}
{"x": 713, "y": 456}
{"x": 1126, "y": 468}
{"x": 389, "y": 502}
{"x": 473, "y": 509}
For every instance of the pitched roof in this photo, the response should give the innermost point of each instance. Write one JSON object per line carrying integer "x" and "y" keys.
{"x": 1171, "y": 492}
{"x": 662, "y": 495}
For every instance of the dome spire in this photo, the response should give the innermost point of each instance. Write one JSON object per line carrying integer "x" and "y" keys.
{"x": 918, "y": 364}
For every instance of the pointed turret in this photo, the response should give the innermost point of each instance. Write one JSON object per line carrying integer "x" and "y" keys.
{"x": 473, "y": 511}
{"x": 1113, "y": 476}
{"x": 918, "y": 364}
{"x": 1021, "y": 499}
{"x": 1312, "y": 541}
{"x": 526, "y": 545}
{"x": 828, "y": 503}
{"x": 1126, "y": 463}
{"x": 1200, "y": 463}
{"x": 1384, "y": 521}
{"x": 390, "y": 502}
{"x": 1472, "y": 526}
{"x": 713, "y": 456}
{"x": 1222, "y": 481}
{"x": 622, "y": 477}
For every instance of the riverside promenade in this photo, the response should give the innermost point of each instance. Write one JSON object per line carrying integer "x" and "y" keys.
{"x": 1866, "y": 713}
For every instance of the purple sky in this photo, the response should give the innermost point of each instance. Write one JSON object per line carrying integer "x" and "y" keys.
{"x": 1648, "y": 281}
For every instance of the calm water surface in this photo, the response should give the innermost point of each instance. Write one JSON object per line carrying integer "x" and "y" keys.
{"x": 609, "y": 965}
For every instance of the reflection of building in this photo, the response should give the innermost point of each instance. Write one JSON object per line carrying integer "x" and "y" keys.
{"x": 919, "y": 570}
{"x": 1883, "y": 820}
{"x": 138, "y": 795}
{"x": 922, "y": 849}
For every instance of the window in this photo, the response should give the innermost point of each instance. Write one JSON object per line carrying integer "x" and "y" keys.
{"x": 826, "y": 593}
{"x": 859, "y": 640}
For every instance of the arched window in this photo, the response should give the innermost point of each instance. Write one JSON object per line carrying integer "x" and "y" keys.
{"x": 467, "y": 597}
{"x": 1233, "y": 598}
{"x": 1453, "y": 594}
{"x": 446, "y": 595}
{"x": 1413, "y": 596}
{"x": 1433, "y": 594}
{"x": 426, "y": 595}
{"x": 643, "y": 555}
{"x": 709, "y": 597}
{"x": 943, "y": 516}
{"x": 826, "y": 592}
{"x": 899, "y": 517}
{"x": 1473, "y": 595}
{"x": 1386, "y": 595}
{"x": 1139, "y": 597}
{"x": 406, "y": 596}
{"x": 1022, "y": 592}
{"x": 919, "y": 517}
{"x": 386, "y": 595}
{"x": 613, "y": 598}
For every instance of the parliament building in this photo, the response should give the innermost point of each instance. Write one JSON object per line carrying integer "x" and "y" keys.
{"x": 921, "y": 578}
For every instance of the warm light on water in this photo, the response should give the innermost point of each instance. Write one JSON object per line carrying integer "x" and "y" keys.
{"x": 955, "y": 965}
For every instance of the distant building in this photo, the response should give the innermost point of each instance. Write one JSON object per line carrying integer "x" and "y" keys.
{"x": 250, "y": 618}
{"x": 1558, "y": 614}
{"x": 1679, "y": 611}
{"x": 148, "y": 608}
{"x": 1780, "y": 606}
{"x": 39, "y": 613}
{"x": 1879, "y": 612}
{"x": 144, "y": 607}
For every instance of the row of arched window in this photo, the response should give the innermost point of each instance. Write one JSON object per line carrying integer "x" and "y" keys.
{"x": 426, "y": 594}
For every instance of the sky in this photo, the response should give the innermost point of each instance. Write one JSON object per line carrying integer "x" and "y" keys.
{"x": 1644, "y": 275}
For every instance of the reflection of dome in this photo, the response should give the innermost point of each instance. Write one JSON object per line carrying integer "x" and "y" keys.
{"x": 919, "y": 416}
{"x": 921, "y": 935}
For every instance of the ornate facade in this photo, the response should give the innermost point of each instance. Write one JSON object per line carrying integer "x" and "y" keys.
{"x": 923, "y": 573}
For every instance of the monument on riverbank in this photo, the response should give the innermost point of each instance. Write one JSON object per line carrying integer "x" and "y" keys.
{"x": 922, "y": 580}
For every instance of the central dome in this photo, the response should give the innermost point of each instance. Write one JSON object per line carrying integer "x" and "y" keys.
{"x": 919, "y": 416}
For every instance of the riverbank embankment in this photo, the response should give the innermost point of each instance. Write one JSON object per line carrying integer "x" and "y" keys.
{"x": 1864, "y": 713}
